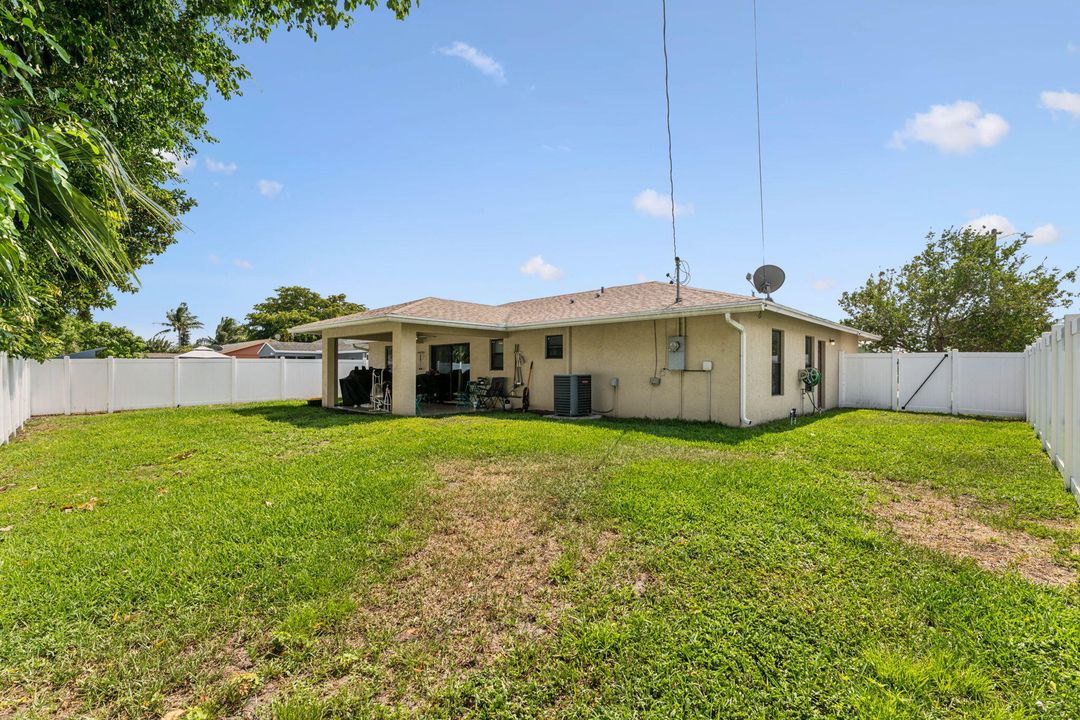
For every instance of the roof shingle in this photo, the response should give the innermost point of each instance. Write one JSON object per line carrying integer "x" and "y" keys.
{"x": 604, "y": 302}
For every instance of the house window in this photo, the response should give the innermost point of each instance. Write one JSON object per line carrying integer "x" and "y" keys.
{"x": 777, "y": 362}
{"x": 809, "y": 361}
{"x": 496, "y": 354}
{"x": 553, "y": 347}
{"x": 389, "y": 358}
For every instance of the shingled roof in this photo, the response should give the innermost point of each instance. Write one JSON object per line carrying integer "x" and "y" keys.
{"x": 603, "y": 304}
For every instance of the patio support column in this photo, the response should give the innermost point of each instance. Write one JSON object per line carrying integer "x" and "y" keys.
{"x": 329, "y": 371}
{"x": 404, "y": 392}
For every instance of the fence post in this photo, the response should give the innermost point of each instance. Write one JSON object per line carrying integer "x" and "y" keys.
{"x": 232, "y": 381}
{"x": 176, "y": 382}
{"x": 111, "y": 384}
{"x": 1043, "y": 381}
{"x": 1027, "y": 384}
{"x": 5, "y": 409}
{"x": 281, "y": 377}
{"x": 954, "y": 381}
{"x": 895, "y": 367}
{"x": 841, "y": 378}
{"x": 1069, "y": 445}
{"x": 67, "y": 385}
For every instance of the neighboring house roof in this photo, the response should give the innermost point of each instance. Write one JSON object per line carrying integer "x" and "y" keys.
{"x": 623, "y": 302}
{"x": 233, "y": 347}
{"x": 203, "y": 353}
{"x": 90, "y": 353}
{"x": 288, "y": 346}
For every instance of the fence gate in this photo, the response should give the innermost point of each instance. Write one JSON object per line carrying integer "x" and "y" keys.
{"x": 925, "y": 382}
{"x": 969, "y": 383}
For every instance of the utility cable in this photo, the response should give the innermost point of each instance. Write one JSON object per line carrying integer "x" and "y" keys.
{"x": 757, "y": 102}
{"x": 667, "y": 101}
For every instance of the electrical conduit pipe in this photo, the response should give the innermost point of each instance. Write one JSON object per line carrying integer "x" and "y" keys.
{"x": 742, "y": 368}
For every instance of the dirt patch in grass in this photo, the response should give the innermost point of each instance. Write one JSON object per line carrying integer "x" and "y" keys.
{"x": 487, "y": 574}
{"x": 951, "y": 525}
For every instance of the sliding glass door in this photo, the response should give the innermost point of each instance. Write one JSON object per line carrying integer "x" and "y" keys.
{"x": 453, "y": 362}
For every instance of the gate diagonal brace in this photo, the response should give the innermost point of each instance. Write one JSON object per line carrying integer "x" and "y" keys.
{"x": 925, "y": 380}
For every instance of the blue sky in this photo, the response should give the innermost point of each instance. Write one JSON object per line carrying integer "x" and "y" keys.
{"x": 443, "y": 154}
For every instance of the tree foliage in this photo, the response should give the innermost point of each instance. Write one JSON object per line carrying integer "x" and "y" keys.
{"x": 181, "y": 321}
{"x": 971, "y": 290}
{"x": 294, "y": 305}
{"x": 99, "y": 99}
{"x": 228, "y": 331}
{"x": 159, "y": 344}
{"x": 115, "y": 341}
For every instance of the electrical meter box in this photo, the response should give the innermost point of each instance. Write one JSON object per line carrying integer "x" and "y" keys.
{"x": 676, "y": 352}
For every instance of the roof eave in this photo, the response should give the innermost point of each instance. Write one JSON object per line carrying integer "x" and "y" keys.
{"x": 674, "y": 310}
{"x": 792, "y": 312}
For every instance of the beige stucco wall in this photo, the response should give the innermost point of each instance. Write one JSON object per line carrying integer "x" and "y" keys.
{"x": 761, "y": 404}
{"x": 636, "y": 351}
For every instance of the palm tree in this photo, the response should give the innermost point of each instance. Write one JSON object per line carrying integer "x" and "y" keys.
{"x": 228, "y": 331}
{"x": 182, "y": 322}
{"x": 159, "y": 344}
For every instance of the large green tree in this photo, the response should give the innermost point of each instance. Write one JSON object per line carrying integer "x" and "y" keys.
{"x": 99, "y": 100}
{"x": 972, "y": 290}
{"x": 294, "y": 305}
{"x": 115, "y": 340}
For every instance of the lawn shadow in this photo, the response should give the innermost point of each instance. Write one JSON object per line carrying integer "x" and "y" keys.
{"x": 305, "y": 416}
{"x": 702, "y": 431}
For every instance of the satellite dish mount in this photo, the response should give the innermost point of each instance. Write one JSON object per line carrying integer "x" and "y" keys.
{"x": 766, "y": 279}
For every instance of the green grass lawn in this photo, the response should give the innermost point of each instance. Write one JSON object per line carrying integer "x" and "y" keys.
{"x": 284, "y": 562}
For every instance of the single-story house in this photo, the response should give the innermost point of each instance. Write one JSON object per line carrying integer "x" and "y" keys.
{"x": 713, "y": 356}
{"x": 347, "y": 350}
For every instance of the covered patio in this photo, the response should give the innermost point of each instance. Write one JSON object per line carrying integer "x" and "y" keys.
{"x": 429, "y": 368}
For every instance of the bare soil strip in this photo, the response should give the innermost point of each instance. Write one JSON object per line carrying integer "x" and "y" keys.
{"x": 484, "y": 577}
{"x": 951, "y": 526}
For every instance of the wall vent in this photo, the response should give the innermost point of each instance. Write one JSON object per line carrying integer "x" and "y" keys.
{"x": 573, "y": 395}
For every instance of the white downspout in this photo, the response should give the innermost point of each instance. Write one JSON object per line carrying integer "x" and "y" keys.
{"x": 742, "y": 368}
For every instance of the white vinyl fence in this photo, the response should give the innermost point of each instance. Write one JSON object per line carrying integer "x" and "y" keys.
{"x": 948, "y": 382}
{"x": 1053, "y": 390}
{"x": 66, "y": 386}
{"x": 14, "y": 395}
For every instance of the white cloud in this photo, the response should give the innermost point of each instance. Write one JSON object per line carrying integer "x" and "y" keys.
{"x": 1042, "y": 235}
{"x": 1045, "y": 235}
{"x": 1072, "y": 48}
{"x": 1063, "y": 100}
{"x": 957, "y": 128}
{"x": 536, "y": 265}
{"x": 242, "y": 264}
{"x": 823, "y": 284}
{"x": 556, "y": 148}
{"x": 217, "y": 166}
{"x": 478, "y": 59}
{"x": 180, "y": 164}
{"x": 649, "y": 202}
{"x": 993, "y": 222}
{"x": 269, "y": 188}
{"x": 642, "y": 277}
{"x": 214, "y": 259}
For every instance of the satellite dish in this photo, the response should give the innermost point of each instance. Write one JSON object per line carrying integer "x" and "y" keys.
{"x": 766, "y": 279}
